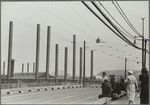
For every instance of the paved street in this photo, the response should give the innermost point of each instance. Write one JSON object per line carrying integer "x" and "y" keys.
{"x": 63, "y": 96}
{"x": 124, "y": 100}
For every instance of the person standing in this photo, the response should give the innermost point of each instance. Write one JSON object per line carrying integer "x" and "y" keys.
{"x": 130, "y": 86}
{"x": 144, "y": 79}
{"x": 106, "y": 87}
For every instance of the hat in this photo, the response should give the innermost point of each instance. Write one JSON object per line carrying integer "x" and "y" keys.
{"x": 131, "y": 72}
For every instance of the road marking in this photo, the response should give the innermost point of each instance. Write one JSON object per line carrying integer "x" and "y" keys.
{"x": 28, "y": 93}
{"x": 27, "y": 96}
{"x": 38, "y": 94}
{"x": 69, "y": 97}
{"x": 90, "y": 97}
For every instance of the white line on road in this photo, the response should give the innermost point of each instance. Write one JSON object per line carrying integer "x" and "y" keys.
{"x": 37, "y": 92}
{"x": 25, "y": 96}
{"x": 68, "y": 97}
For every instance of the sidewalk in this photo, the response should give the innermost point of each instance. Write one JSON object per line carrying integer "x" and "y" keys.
{"x": 123, "y": 100}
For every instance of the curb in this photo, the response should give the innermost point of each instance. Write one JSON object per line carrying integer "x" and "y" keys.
{"x": 33, "y": 89}
{"x": 96, "y": 86}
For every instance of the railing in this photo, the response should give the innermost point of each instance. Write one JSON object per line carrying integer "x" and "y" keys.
{"x": 21, "y": 83}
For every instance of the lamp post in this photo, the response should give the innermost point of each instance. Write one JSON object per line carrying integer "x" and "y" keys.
{"x": 125, "y": 66}
{"x": 84, "y": 65}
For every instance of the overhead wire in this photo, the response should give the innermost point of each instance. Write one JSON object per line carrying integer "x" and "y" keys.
{"x": 32, "y": 26}
{"x": 43, "y": 30}
{"x": 131, "y": 36}
{"x": 78, "y": 15}
{"x": 125, "y": 18}
{"x": 128, "y": 19}
{"x": 82, "y": 19}
{"x": 114, "y": 26}
{"x": 102, "y": 21}
{"x": 64, "y": 20}
{"x": 123, "y": 37}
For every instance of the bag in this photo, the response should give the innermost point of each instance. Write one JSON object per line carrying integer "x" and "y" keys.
{"x": 100, "y": 96}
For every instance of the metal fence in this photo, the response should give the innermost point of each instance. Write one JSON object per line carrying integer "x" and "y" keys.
{"x": 21, "y": 83}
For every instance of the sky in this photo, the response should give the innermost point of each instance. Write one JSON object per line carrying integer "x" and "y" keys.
{"x": 68, "y": 18}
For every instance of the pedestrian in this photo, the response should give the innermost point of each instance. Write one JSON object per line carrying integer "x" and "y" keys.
{"x": 144, "y": 79}
{"x": 106, "y": 87}
{"x": 130, "y": 86}
{"x": 116, "y": 88}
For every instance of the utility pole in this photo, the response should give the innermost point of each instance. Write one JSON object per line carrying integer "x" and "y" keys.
{"x": 80, "y": 66}
{"x": 92, "y": 65}
{"x": 125, "y": 66}
{"x": 145, "y": 52}
{"x": 143, "y": 43}
{"x": 56, "y": 60}
{"x": 84, "y": 67}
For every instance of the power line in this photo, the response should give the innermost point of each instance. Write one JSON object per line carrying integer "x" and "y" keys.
{"x": 125, "y": 18}
{"x": 82, "y": 19}
{"x": 35, "y": 27}
{"x": 102, "y": 20}
{"x": 64, "y": 20}
{"x": 123, "y": 37}
{"x": 116, "y": 21}
{"x": 42, "y": 30}
{"x": 128, "y": 20}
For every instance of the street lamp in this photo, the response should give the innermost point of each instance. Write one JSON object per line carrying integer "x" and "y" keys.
{"x": 99, "y": 41}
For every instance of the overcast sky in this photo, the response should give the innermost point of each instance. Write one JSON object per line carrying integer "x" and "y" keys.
{"x": 67, "y": 19}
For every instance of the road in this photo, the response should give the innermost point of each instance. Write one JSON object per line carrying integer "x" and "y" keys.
{"x": 86, "y": 95}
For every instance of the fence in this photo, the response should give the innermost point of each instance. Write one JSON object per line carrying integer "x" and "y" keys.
{"x": 21, "y": 83}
